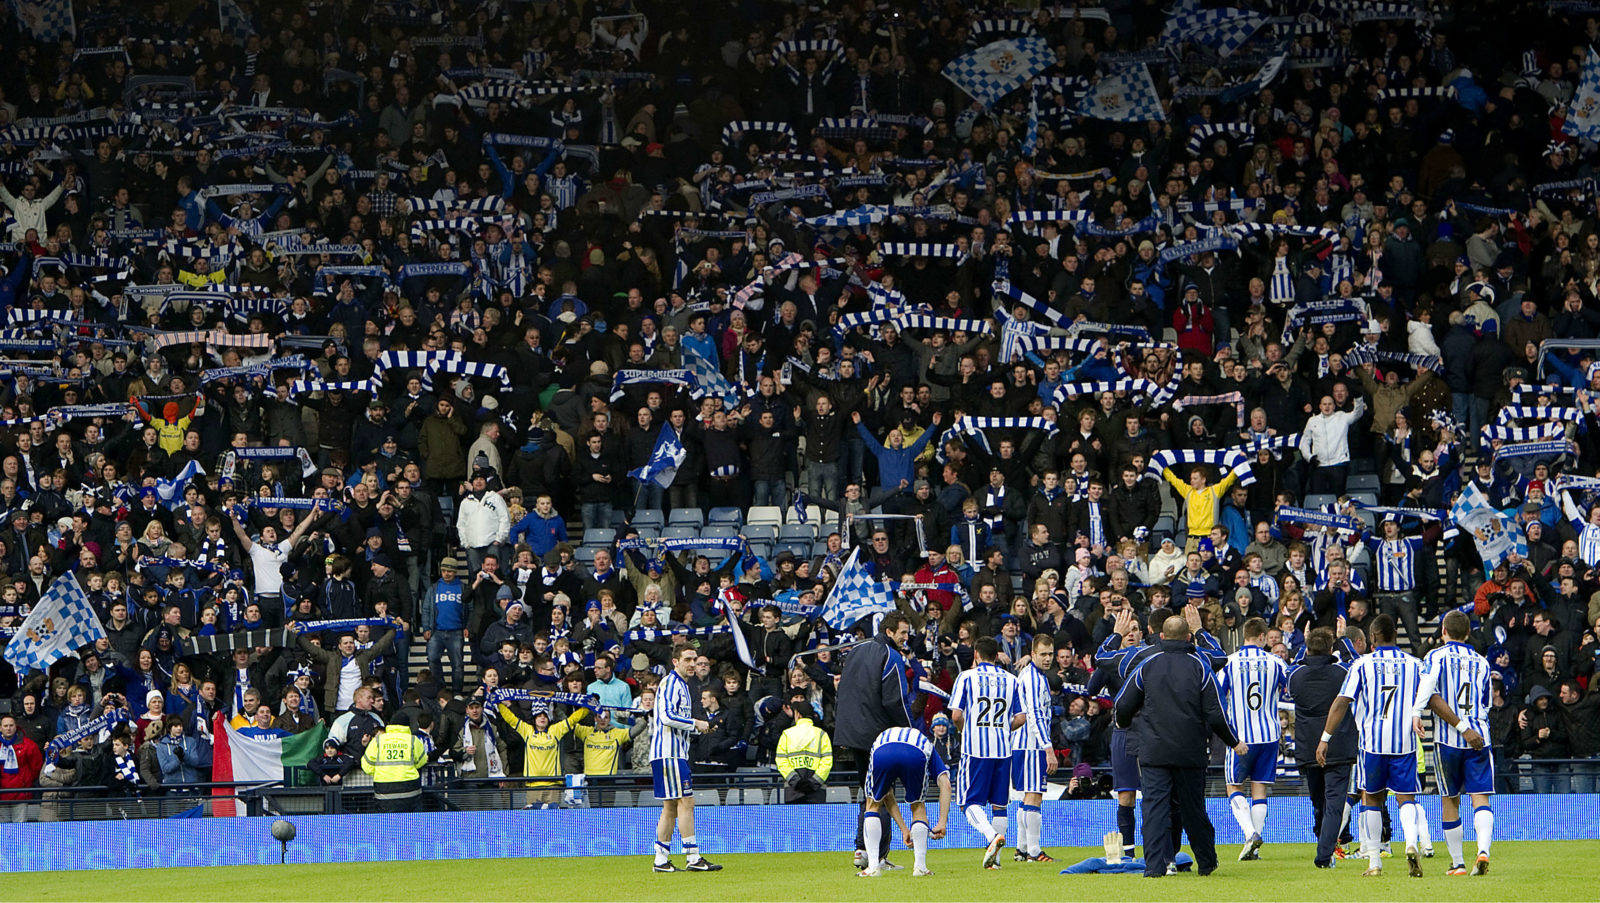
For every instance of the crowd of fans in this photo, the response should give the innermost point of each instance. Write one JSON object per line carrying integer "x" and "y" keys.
{"x": 545, "y": 196}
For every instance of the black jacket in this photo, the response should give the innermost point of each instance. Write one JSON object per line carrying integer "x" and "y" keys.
{"x": 872, "y": 694}
{"x": 1182, "y": 707}
{"x": 1314, "y": 684}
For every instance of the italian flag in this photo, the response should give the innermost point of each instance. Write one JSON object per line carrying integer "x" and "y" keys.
{"x": 237, "y": 757}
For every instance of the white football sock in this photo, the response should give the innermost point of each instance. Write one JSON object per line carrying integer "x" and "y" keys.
{"x": 1239, "y": 805}
{"x": 662, "y": 851}
{"x": 1424, "y": 835}
{"x": 1033, "y": 819}
{"x": 691, "y": 849}
{"x": 1258, "y": 816}
{"x": 1452, "y": 840}
{"x": 999, "y": 823}
{"x": 919, "y": 844}
{"x": 1408, "y": 823}
{"x": 979, "y": 820}
{"x": 1372, "y": 823}
{"x": 872, "y": 835}
{"x": 1483, "y": 827}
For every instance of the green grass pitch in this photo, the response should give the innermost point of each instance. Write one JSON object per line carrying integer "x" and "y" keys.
{"x": 1545, "y": 871}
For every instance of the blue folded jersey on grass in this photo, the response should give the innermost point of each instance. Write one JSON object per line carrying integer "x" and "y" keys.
{"x": 1100, "y": 866}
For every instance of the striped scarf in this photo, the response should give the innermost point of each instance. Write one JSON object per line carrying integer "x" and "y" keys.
{"x": 1234, "y": 398}
{"x": 468, "y": 369}
{"x": 1227, "y": 459}
{"x": 1538, "y": 412}
{"x": 1281, "y": 289}
{"x": 1548, "y": 449}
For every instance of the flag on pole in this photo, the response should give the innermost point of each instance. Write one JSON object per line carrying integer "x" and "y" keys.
{"x": 61, "y": 622}
{"x": 664, "y": 460}
{"x": 705, "y": 379}
{"x": 1126, "y": 96}
{"x": 1583, "y": 116}
{"x": 233, "y": 20}
{"x": 998, "y": 68}
{"x": 46, "y": 20}
{"x": 1030, "y": 141}
{"x": 1250, "y": 87}
{"x": 236, "y": 756}
{"x": 855, "y": 596}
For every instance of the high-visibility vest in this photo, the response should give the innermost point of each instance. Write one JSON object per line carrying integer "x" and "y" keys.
{"x": 805, "y": 746}
{"x": 393, "y": 759}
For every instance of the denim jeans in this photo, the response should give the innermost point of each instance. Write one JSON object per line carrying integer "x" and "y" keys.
{"x": 647, "y": 495}
{"x": 770, "y": 492}
{"x": 822, "y": 479}
{"x": 596, "y": 515}
{"x": 476, "y": 555}
{"x": 1461, "y": 408}
{"x": 447, "y": 642}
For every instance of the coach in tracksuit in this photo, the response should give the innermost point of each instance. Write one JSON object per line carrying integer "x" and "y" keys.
{"x": 1313, "y": 684}
{"x": 873, "y": 698}
{"x": 1172, "y": 721}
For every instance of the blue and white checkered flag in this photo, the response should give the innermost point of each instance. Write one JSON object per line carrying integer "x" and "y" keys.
{"x": 61, "y": 622}
{"x": 664, "y": 460}
{"x": 46, "y": 20}
{"x": 855, "y": 596}
{"x": 1224, "y": 30}
{"x": 233, "y": 20}
{"x": 708, "y": 380}
{"x": 996, "y": 69}
{"x": 1583, "y": 116}
{"x": 1125, "y": 96}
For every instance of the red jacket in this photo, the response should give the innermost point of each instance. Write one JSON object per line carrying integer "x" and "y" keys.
{"x": 1194, "y": 327}
{"x": 20, "y": 763}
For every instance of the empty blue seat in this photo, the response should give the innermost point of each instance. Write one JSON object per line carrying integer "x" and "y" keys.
{"x": 649, "y": 517}
{"x": 799, "y": 549}
{"x": 754, "y": 532}
{"x": 719, "y": 530}
{"x": 727, "y": 515}
{"x": 599, "y": 536}
{"x": 1362, "y": 482}
{"x": 692, "y": 517}
{"x": 797, "y": 532}
{"x": 680, "y": 531}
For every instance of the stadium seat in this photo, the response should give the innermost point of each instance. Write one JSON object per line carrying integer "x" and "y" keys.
{"x": 838, "y": 795}
{"x": 599, "y": 536}
{"x": 728, "y": 515}
{"x": 1362, "y": 482}
{"x": 719, "y": 530}
{"x": 619, "y": 518}
{"x": 649, "y": 517}
{"x": 1368, "y": 498}
{"x": 762, "y": 548}
{"x": 692, "y": 517}
{"x": 796, "y": 548}
{"x": 797, "y": 532}
{"x": 820, "y": 547}
{"x": 649, "y": 532}
{"x": 622, "y": 798}
{"x": 681, "y": 531}
{"x": 752, "y": 796}
{"x": 1165, "y": 524}
{"x": 754, "y": 532}
{"x": 1317, "y": 501}
{"x": 765, "y": 514}
{"x": 813, "y": 515}
{"x": 708, "y": 797}
{"x": 585, "y": 555}
{"x": 1368, "y": 518}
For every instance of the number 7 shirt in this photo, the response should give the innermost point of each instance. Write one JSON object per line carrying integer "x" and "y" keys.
{"x": 1381, "y": 687}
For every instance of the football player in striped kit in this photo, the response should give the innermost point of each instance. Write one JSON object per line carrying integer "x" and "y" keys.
{"x": 986, "y": 706}
{"x": 1456, "y": 688}
{"x": 674, "y": 721}
{"x": 1032, "y": 758}
{"x": 1252, "y": 682}
{"x": 1381, "y": 686}
{"x": 906, "y": 755}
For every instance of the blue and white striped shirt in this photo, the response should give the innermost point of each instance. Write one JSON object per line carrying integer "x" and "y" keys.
{"x": 674, "y": 719}
{"x": 1395, "y": 563}
{"x": 910, "y": 736}
{"x": 1034, "y": 692}
{"x": 1380, "y": 686}
{"x": 1460, "y": 675}
{"x": 1251, "y": 683}
{"x": 1268, "y": 585}
{"x": 1589, "y": 544}
{"x": 987, "y": 697}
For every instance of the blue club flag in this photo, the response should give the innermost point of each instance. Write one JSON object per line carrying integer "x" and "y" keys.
{"x": 45, "y": 20}
{"x": 171, "y": 491}
{"x": 664, "y": 461}
{"x": 1583, "y": 116}
{"x": 705, "y": 379}
{"x": 1125, "y": 96}
{"x": 1495, "y": 534}
{"x": 856, "y": 595}
{"x": 233, "y": 20}
{"x": 1255, "y": 83}
{"x": 1000, "y": 67}
{"x": 61, "y": 622}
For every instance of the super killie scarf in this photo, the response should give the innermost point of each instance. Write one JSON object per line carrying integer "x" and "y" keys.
{"x": 541, "y": 701}
{"x": 630, "y": 377}
{"x": 1316, "y": 518}
{"x": 65, "y": 741}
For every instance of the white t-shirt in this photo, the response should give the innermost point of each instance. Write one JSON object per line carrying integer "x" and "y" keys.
{"x": 267, "y": 561}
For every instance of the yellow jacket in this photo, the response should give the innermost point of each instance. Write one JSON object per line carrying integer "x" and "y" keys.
{"x": 1201, "y": 504}
{"x": 543, "y": 756}
{"x": 601, "y": 749}
{"x": 395, "y": 758}
{"x": 805, "y": 746}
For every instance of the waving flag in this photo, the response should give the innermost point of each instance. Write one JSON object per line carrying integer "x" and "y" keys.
{"x": 46, "y": 20}
{"x": 1497, "y": 537}
{"x": 1583, "y": 117}
{"x": 855, "y": 596}
{"x": 61, "y": 622}
{"x": 706, "y": 379}
{"x": 233, "y": 20}
{"x": 996, "y": 69}
{"x": 1127, "y": 96}
{"x": 664, "y": 460}
{"x": 251, "y": 755}
{"x": 1224, "y": 30}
